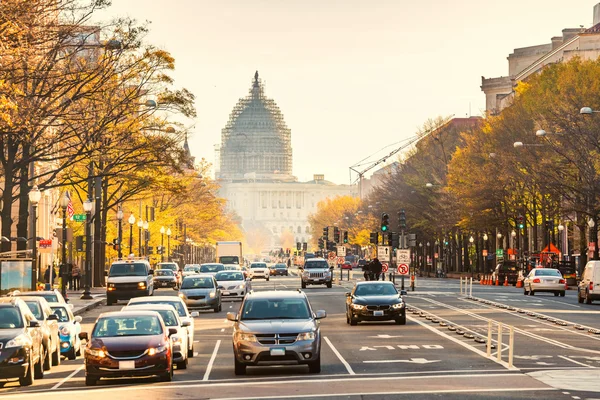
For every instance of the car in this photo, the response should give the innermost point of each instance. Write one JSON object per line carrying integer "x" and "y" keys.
{"x": 49, "y": 322}
{"x": 129, "y": 278}
{"x": 232, "y": 267}
{"x": 507, "y": 270}
{"x": 347, "y": 265}
{"x": 211, "y": 268}
{"x": 179, "y": 305}
{"x": 22, "y": 355}
{"x": 233, "y": 284}
{"x": 544, "y": 280}
{"x": 165, "y": 278}
{"x": 361, "y": 263}
{"x": 51, "y": 296}
{"x": 201, "y": 292}
{"x": 171, "y": 320}
{"x": 259, "y": 270}
{"x": 173, "y": 267}
{"x": 276, "y": 328}
{"x": 190, "y": 270}
{"x": 316, "y": 271}
{"x": 279, "y": 269}
{"x": 375, "y": 301}
{"x": 129, "y": 344}
{"x": 589, "y": 286}
{"x": 69, "y": 329}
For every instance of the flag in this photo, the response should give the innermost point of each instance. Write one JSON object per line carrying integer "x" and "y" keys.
{"x": 70, "y": 209}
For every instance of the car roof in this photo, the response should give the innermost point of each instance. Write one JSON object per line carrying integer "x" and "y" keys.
{"x": 9, "y": 301}
{"x": 316, "y": 259}
{"x": 202, "y": 275}
{"x": 37, "y": 293}
{"x": 363, "y": 283}
{"x": 211, "y": 264}
{"x": 33, "y": 298}
{"x": 128, "y": 313}
{"x": 154, "y": 298}
{"x": 277, "y": 294}
{"x": 151, "y": 307}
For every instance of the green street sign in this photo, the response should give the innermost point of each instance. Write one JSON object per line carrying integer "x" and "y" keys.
{"x": 79, "y": 217}
{"x": 499, "y": 252}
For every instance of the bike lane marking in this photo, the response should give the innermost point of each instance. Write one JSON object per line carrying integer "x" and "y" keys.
{"x": 212, "y": 360}
{"x": 59, "y": 384}
{"x": 339, "y": 356}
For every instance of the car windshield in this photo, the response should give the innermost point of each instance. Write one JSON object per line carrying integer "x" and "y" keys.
{"x": 188, "y": 269}
{"x": 547, "y": 272}
{"x": 229, "y": 260}
{"x": 211, "y": 268}
{"x": 281, "y": 266}
{"x": 317, "y": 264}
{"x": 61, "y": 313}
{"x": 229, "y": 276}
{"x": 36, "y": 310}
{"x": 50, "y": 297}
{"x": 177, "y": 304}
{"x": 375, "y": 290}
{"x": 202, "y": 282}
{"x": 10, "y": 318}
{"x": 259, "y": 265}
{"x": 163, "y": 272}
{"x": 295, "y": 308}
{"x": 129, "y": 269}
{"x": 171, "y": 266}
{"x": 142, "y": 325}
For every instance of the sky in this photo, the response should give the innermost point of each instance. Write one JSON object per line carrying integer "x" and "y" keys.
{"x": 351, "y": 77}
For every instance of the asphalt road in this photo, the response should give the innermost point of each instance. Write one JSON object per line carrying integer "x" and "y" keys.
{"x": 420, "y": 360}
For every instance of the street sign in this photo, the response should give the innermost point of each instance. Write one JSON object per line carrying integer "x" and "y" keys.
{"x": 341, "y": 251}
{"x": 332, "y": 255}
{"x": 340, "y": 260}
{"x": 45, "y": 246}
{"x": 499, "y": 252}
{"x": 79, "y": 217}
{"x": 484, "y": 253}
{"x": 384, "y": 253}
{"x": 403, "y": 269}
{"x": 384, "y": 267}
{"x": 403, "y": 256}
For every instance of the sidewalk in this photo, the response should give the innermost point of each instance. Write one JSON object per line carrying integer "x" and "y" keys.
{"x": 80, "y": 306}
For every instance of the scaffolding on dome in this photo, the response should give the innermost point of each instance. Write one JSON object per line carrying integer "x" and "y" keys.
{"x": 256, "y": 139}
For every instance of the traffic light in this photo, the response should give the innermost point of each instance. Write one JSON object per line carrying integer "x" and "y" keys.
{"x": 345, "y": 236}
{"x": 402, "y": 219}
{"x": 336, "y": 234}
{"x": 305, "y": 246}
{"x": 395, "y": 240}
{"x": 79, "y": 243}
{"x": 115, "y": 244}
{"x": 390, "y": 236}
{"x": 374, "y": 238}
{"x": 521, "y": 222}
{"x": 321, "y": 243}
{"x": 326, "y": 233}
{"x": 385, "y": 222}
{"x": 298, "y": 246}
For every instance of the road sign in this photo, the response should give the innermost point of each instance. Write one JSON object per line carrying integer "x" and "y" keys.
{"x": 384, "y": 253}
{"x": 340, "y": 260}
{"x": 341, "y": 251}
{"x": 403, "y": 269}
{"x": 403, "y": 256}
{"x": 79, "y": 217}
{"x": 332, "y": 255}
{"x": 499, "y": 252}
{"x": 384, "y": 267}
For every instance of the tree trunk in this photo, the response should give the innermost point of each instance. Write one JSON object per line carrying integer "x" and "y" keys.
{"x": 22, "y": 228}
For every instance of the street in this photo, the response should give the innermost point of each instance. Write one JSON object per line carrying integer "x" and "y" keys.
{"x": 419, "y": 360}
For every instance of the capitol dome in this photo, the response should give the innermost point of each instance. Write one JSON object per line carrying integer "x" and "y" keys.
{"x": 256, "y": 142}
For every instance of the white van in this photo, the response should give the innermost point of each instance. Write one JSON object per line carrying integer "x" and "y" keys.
{"x": 589, "y": 286}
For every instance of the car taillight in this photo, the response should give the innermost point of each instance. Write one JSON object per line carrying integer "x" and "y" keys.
{"x": 591, "y": 286}
{"x": 561, "y": 281}
{"x": 536, "y": 280}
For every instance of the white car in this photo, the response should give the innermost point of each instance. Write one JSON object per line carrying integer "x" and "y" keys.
{"x": 259, "y": 270}
{"x": 544, "y": 280}
{"x": 192, "y": 269}
{"x": 182, "y": 311}
{"x": 233, "y": 284}
{"x": 211, "y": 268}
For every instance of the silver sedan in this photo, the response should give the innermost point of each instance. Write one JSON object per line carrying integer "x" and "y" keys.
{"x": 544, "y": 280}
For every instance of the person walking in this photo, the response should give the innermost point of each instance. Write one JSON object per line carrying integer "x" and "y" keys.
{"x": 69, "y": 273}
{"x": 367, "y": 271}
{"x": 376, "y": 268}
{"x": 75, "y": 277}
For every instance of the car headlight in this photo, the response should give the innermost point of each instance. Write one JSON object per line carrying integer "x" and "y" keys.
{"x": 19, "y": 341}
{"x": 176, "y": 339}
{"x": 245, "y": 337}
{"x": 157, "y": 350}
{"x": 212, "y": 294}
{"x": 306, "y": 336}
{"x": 398, "y": 306}
{"x": 243, "y": 285}
{"x": 182, "y": 295}
{"x": 95, "y": 352}
{"x": 141, "y": 285}
{"x": 327, "y": 273}
{"x": 358, "y": 306}
{"x": 111, "y": 285}
{"x": 65, "y": 330}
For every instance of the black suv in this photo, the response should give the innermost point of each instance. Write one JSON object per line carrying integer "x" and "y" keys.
{"x": 21, "y": 355}
{"x": 507, "y": 270}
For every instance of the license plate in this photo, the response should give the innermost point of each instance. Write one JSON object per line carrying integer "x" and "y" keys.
{"x": 126, "y": 364}
{"x": 225, "y": 293}
{"x": 278, "y": 352}
{"x": 378, "y": 313}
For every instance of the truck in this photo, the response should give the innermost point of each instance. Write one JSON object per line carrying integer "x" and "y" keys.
{"x": 230, "y": 253}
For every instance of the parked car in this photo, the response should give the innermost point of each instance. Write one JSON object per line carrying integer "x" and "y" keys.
{"x": 506, "y": 270}
{"x": 171, "y": 320}
{"x": 179, "y": 305}
{"x": 347, "y": 265}
{"x": 361, "y": 263}
{"x": 21, "y": 336}
{"x": 316, "y": 271}
{"x": 51, "y": 296}
{"x": 128, "y": 279}
{"x": 49, "y": 322}
{"x": 544, "y": 280}
{"x": 276, "y": 327}
{"x": 375, "y": 301}
{"x": 259, "y": 270}
{"x": 165, "y": 278}
{"x": 211, "y": 268}
{"x": 233, "y": 284}
{"x": 589, "y": 286}
{"x": 69, "y": 329}
{"x": 201, "y": 292}
{"x": 129, "y": 344}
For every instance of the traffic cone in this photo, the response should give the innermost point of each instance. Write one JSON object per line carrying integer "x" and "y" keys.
{"x": 506, "y": 281}
{"x": 519, "y": 283}
{"x": 489, "y": 282}
{"x": 482, "y": 280}
{"x": 566, "y": 285}
{"x": 497, "y": 283}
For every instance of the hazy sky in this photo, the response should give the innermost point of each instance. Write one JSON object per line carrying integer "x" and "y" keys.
{"x": 350, "y": 76}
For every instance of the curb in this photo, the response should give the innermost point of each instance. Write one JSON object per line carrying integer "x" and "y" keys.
{"x": 94, "y": 303}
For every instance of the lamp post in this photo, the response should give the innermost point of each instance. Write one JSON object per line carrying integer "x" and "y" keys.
{"x": 140, "y": 225}
{"x": 146, "y": 237}
{"x": 593, "y": 236}
{"x": 168, "y": 244}
{"x": 162, "y": 244}
{"x": 64, "y": 203}
{"x": 485, "y": 244}
{"x": 87, "y": 207}
{"x": 131, "y": 221}
{"x": 561, "y": 228}
{"x": 120, "y": 219}
{"x": 34, "y": 198}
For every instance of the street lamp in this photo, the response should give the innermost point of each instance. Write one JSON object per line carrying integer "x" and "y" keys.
{"x": 34, "y": 198}
{"x": 64, "y": 203}
{"x": 140, "y": 225}
{"x": 587, "y": 111}
{"x": 560, "y": 228}
{"x": 543, "y": 133}
{"x": 168, "y": 244}
{"x": 120, "y": 219}
{"x": 485, "y": 236}
{"x": 87, "y": 207}
{"x": 146, "y": 225}
{"x": 162, "y": 244}
{"x": 131, "y": 221}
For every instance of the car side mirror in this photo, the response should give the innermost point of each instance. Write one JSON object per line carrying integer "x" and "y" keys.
{"x": 151, "y": 272}
{"x": 348, "y": 294}
{"x": 78, "y": 319}
{"x": 403, "y": 293}
{"x": 52, "y": 317}
{"x": 320, "y": 314}
{"x": 83, "y": 336}
{"x": 232, "y": 317}
{"x": 186, "y": 323}
{"x": 194, "y": 314}
{"x": 34, "y": 324}
{"x": 172, "y": 331}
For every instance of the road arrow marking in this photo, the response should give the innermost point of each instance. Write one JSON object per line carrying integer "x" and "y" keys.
{"x": 412, "y": 361}
{"x": 387, "y": 336}
{"x": 532, "y": 357}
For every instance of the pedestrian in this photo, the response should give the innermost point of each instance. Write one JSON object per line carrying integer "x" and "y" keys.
{"x": 367, "y": 271}
{"x": 69, "y": 273}
{"x": 376, "y": 268}
{"x": 75, "y": 274}
{"x": 47, "y": 277}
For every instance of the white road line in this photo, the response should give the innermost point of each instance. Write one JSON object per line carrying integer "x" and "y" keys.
{"x": 59, "y": 384}
{"x": 576, "y": 362}
{"x": 337, "y": 353}
{"x": 212, "y": 360}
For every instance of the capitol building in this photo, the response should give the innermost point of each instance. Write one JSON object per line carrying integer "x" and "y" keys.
{"x": 255, "y": 173}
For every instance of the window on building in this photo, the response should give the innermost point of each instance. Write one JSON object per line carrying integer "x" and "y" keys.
{"x": 298, "y": 199}
{"x": 263, "y": 199}
{"x": 299, "y": 230}
{"x": 288, "y": 199}
{"x": 307, "y": 230}
{"x": 274, "y": 229}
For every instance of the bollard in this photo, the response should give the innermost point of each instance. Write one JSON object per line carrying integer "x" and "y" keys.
{"x": 402, "y": 280}
{"x": 471, "y": 288}
{"x": 461, "y": 289}
{"x": 511, "y": 345}
{"x": 489, "y": 339}
{"x": 412, "y": 282}
{"x": 499, "y": 341}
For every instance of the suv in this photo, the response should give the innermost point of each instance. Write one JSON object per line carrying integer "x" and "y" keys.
{"x": 589, "y": 287}
{"x": 276, "y": 328}
{"x": 21, "y": 338}
{"x": 508, "y": 270}
{"x": 259, "y": 270}
{"x": 127, "y": 279}
{"x": 316, "y": 271}
{"x": 49, "y": 322}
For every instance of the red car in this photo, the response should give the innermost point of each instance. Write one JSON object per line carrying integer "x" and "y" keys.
{"x": 129, "y": 344}
{"x": 347, "y": 265}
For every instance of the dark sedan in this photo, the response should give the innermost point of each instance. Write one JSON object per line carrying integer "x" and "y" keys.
{"x": 375, "y": 301}
{"x": 165, "y": 278}
{"x": 279, "y": 269}
{"x": 129, "y": 344}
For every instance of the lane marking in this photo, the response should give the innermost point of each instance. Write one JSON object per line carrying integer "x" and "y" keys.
{"x": 337, "y": 353}
{"x": 212, "y": 360}
{"x": 576, "y": 362}
{"x": 59, "y": 384}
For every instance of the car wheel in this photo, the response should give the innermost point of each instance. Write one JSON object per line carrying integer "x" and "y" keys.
{"x": 267, "y": 279}
{"x": 216, "y": 309}
{"x": 182, "y": 364}
{"x": 347, "y": 318}
{"x": 38, "y": 369}
{"x": 353, "y": 322}
{"x": 579, "y": 298}
{"x": 555, "y": 294}
{"x": 56, "y": 357}
{"x": 587, "y": 298}
{"x": 240, "y": 369}
{"x": 525, "y": 292}
{"x": 191, "y": 352}
{"x": 71, "y": 355}
{"x": 562, "y": 293}
{"x": 28, "y": 379}
{"x": 90, "y": 380}
{"x": 531, "y": 291}
{"x": 401, "y": 320}
{"x": 78, "y": 346}
{"x": 109, "y": 301}
{"x": 303, "y": 285}
{"x": 314, "y": 367}
{"x": 329, "y": 284}
{"x": 167, "y": 376}
{"x": 47, "y": 359}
